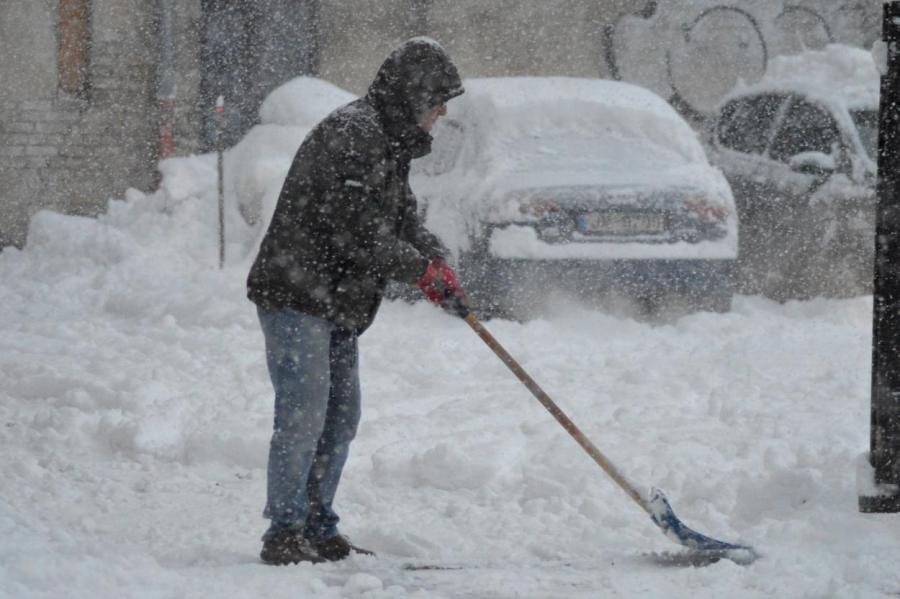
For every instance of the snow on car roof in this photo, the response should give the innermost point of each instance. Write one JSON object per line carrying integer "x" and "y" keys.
{"x": 514, "y": 107}
{"x": 508, "y": 92}
{"x": 838, "y": 73}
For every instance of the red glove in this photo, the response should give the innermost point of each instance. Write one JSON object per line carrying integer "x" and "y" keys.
{"x": 439, "y": 284}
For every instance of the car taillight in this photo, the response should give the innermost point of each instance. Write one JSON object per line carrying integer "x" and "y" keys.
{"x": 705, "y": 211}
{"x": 539, "y": 207}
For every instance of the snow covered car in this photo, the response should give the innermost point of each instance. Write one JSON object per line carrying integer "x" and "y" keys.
{"x": 585, "y": 185}
{"x": 799, "y": 149}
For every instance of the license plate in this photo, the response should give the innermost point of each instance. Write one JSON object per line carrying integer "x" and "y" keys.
{"x": 621, "y": 223}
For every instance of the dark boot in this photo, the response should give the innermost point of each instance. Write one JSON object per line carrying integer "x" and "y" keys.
{"x": 337, "y": 548}
{"x": 288, "y": 547}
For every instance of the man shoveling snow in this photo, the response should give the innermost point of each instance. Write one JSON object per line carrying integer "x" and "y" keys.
{"x": 344, "y": 225}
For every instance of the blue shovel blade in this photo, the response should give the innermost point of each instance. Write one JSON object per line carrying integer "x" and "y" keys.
{"x": 664, "y": 516}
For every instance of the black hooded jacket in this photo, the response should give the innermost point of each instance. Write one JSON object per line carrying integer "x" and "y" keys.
{"x": 346, "y": 219}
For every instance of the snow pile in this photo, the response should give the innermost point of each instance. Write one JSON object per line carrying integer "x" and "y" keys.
{"x": 302, "y": 102}
{"x": 255, "y": 168}
{"x": 136, "y": 412}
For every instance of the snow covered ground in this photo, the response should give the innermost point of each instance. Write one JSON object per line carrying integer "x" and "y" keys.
{"x": 135, "y": 413}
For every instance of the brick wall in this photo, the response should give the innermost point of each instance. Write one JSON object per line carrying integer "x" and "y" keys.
{"x": 73, "y": 153}
{"x": 37, "y": 139}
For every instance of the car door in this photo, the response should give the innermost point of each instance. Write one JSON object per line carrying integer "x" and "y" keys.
{"x": 797, "y": 226}
{"x": 848, "y": 201}
{"x": 745, "y": 128}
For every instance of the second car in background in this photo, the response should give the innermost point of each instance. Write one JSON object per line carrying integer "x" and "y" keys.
{"x": 799, "y": 150}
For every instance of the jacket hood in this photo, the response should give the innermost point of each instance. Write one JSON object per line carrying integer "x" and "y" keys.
{"x": 414, "y": 78}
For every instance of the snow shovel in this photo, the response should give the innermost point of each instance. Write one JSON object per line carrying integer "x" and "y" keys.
{"x": 701, "y": 548}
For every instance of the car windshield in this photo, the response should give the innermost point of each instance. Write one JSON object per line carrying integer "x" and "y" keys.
{"x": 867, "y": 124}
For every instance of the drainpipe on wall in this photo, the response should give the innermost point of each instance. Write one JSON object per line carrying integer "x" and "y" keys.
{"x": 74, "y": 38}
{"x": 165, "y": 92}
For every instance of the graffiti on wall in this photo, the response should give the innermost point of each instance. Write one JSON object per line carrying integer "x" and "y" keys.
{"x": 709, "y": 46}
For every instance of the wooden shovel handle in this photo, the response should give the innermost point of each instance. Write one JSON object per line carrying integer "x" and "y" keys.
{"x": 557, "y": 413}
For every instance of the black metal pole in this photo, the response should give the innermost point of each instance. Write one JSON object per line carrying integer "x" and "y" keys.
{"x": 884, "y": 454}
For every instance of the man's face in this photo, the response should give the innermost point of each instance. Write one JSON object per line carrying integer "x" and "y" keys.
{"x": 428, "y": 119}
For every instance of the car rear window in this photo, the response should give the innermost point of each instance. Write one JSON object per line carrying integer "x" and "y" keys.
{"x": 745, "y": 123}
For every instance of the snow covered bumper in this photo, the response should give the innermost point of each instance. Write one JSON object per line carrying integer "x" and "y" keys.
{"x": 640, "y": 278}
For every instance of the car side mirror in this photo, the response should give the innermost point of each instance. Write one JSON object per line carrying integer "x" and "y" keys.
{"x": 818, "y": 164}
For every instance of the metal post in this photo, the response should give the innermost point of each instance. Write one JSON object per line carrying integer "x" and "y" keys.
{"x": 884, "y": 453}
{"x": 220, "y": 169}
{"x": 166, "y": 80}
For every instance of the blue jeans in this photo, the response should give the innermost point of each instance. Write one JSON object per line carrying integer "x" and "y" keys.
{"x": 314, "y": 369}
